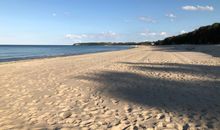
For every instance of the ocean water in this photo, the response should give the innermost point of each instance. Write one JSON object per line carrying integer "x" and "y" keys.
{"x": 21, "y": 52}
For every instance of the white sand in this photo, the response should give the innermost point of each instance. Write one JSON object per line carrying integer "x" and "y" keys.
{"x": 167, "y": 87}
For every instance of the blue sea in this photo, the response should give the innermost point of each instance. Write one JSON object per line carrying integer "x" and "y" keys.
{"x": 21, "y": 52}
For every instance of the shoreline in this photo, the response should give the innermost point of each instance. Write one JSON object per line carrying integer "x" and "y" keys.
{"x": 132, "y": 47}
{"x": 59, "y": 56}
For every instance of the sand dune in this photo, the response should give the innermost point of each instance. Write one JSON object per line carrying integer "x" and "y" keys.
{"x": 153, "y": 88}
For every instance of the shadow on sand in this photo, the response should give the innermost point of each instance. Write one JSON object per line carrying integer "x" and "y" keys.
{"x": 212, "y": 50}
{"x": 189, "y": 97}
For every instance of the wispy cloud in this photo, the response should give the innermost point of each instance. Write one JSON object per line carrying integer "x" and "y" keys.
{"x": 198, "y": 8}
{"x": 96, "y": 36}
{"x": 76, "y": 36}
{"x": 171, "y": 16}
{"x": 154, "y": 34}
{"x": 164, "y": 34}
{"x": 147, "y": 19}
{"x": 182, "y": 32}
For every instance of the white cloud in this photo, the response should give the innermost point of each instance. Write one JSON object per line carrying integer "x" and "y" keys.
{"x": 198, "y": 8}
{"x": 76, "y": 36}
{"x": 171, "y": 15}
{"x": 154, "y": 34}
{"x": 107, "y": 35}
{"x": 103, "y": 35}
{"x": 163, "y": 34}
{"x": 182, "y": 32}
{"x": 148, "y": 34}
{"x": 147, "y": 19}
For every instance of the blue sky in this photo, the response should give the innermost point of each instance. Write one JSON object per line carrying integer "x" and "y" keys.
{"x": 68, "y": 21}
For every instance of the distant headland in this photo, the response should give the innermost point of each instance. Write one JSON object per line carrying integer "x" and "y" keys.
{"x": 106, "y": 43}
{"x": 204, "y": 35}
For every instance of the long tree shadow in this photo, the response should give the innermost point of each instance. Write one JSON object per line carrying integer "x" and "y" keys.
{"x": 190, "y": 69}
{"x": 212, "y": 50}
{"x": 184, "y": 97}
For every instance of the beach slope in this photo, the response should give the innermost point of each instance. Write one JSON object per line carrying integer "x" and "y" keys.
{"x": 161, "y": 87}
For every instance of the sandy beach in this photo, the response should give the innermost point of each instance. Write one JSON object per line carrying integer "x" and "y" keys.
{"x": 148, "y": 87}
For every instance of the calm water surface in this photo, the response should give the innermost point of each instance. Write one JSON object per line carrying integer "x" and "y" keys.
{"x": 21, "y": 52}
